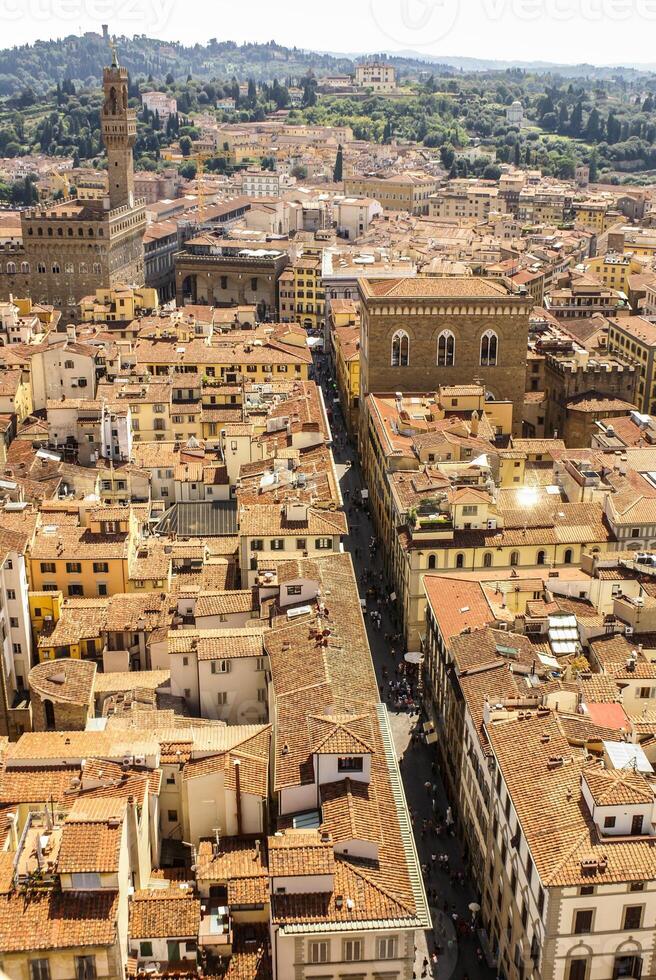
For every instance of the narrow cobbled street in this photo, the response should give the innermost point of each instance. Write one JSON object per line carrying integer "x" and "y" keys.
{"x": 452, "y": 950}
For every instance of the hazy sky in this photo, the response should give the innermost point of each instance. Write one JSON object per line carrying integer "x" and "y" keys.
{"x": 595, "y": 31}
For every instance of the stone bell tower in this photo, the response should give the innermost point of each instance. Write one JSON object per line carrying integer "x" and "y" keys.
{"x": 119, "y": 132}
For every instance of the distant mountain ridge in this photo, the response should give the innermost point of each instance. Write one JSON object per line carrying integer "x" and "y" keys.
{"x": 41, "y": 65}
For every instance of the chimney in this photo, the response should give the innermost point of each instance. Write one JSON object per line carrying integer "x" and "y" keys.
{"x": 133, "y": 842}
{"x": 238, "y": 794}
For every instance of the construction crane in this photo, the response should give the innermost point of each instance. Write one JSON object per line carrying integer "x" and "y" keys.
{"x": 62, "y": 181}
{"x": 200, "y": 157}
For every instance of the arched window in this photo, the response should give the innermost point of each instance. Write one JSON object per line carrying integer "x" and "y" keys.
{"x": 460, "y": 560}
{"x": 96, "y": 268}
{"x": 514, "y": 558}
{"x": 49, "y": 710}
{"x": 25, "y": 266}
{"x": 400, "y": 349}
{"x": 540, "y": 558}
{"x": 431, "y": 561}
{"x": 568, "y": 557}
{"x": 11, "y": 268}
{"x": 83, "y": 268}
{"x": 41, "y": 267}
{"x": 446, "y": 349}
{"x": 489, "y": 348}
{"x": 55, "y": 267}
{"x": 487, "y": 560}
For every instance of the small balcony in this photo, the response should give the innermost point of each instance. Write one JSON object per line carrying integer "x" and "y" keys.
{"x": 430, "y": 526}
{"x": 215, "y": 928}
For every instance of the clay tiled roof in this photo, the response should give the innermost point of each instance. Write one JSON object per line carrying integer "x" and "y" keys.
{"x": 552, "y": 815}
{"x": 370, "y": 902}
{"x": 436, "y": 287}
{"x": 164, "y": 913}
{"x": 613, "y": 788}
{"x": 91, "y": 845}
{"x": 64, "y": 680}
{"x": 36, "y": 784}
{"x": 457, "y": 604}
{"x": 250, "y": 960}
{"x": 218, "y": 644}
{"x": 241, "y": 864}
{"x": 57, "y": 920}
{"x": 349, "y": 811}
{"x": 340, "y": 734}
{"x": 225, "y": 603}
{"x": 266, "y": 521}
{"x": 300, "y": 853}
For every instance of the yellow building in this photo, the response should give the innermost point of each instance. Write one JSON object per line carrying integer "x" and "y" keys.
{"x": 47, "y": 315}
{"x": 259, "y": 356}
{"x": 91, "y": 559}
{"x": 302, "y": 296}
{"x": 117, "y": 303}
{"x": 16, "y": 393}
{"x": 475, "y": 535}
{"x": 594, "y": 216}
{"x": 634, "y": 337}
{"x": 401, "y": 192}
{"x": 345, "y": 342}
{"x": 614, "y": 270}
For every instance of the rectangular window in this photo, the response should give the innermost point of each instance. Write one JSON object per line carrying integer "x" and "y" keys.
{"x": 277, "y": 544}
{"x": 39, "y": 970}
{"x": 261, "y": 695}
{"x": 318, "y": 952}
{"x": 352, "y": 950}
{"x": 85, "y": 967}
{"x": 323, "y": 544}
{"x": 635, "y": 532}
{"x": 11, "y": 593}
{"x": 387, "y": 947}
{"x": 220, "y": 667}
{"x": 75, "y": 590}
{"x": 100, "y": 566}
{"x": 609, "y": 821}
{"x": 85, "y": 882}
{"x": 16, "y": 647}
{"x": 222, "y": 697}
{"x": 13, "y": 622}
{"x": 257, "y": 544}
{"x": 470, "y": 510}
{"x": 577, "y": 969}
{"x": 102, "y": 588}
{"x": 47, "y": 566}
{"x": 301, "y": 544}
{"x": 632, "y": 917}
{"x": 73, "y": 567}
{"x": 294, "y": 589}
{"x": 350, "y": 763}
{"x": 582, "y": 921}
{"x": 145, "y": 949}
{"x": 173, "y": 816}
